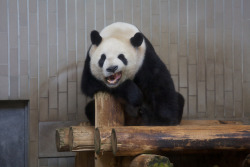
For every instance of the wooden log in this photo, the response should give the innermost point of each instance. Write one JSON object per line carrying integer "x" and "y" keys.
{"x": 62, "y": 139}
{"x": 130, "y": 141}
{"x": 108, "y": 113}
{"x": 103, "y": 140}
{"x": 62, "y": 134}
{"x": 81, "y": 138}
{"x": 150, "y": 160}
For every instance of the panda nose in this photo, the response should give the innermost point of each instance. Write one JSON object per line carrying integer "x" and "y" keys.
{"x": 112, "y": 69}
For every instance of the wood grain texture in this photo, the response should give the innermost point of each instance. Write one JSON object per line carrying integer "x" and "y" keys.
{"x": 128, "y": 141}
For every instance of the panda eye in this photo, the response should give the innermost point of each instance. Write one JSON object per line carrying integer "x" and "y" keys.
{"x": 123, "y": 59}
{"x": 101, "y": 61}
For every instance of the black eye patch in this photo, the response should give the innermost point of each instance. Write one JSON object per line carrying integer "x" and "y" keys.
{"x": 101, "y": 61}
{"x": 123, "y": 59}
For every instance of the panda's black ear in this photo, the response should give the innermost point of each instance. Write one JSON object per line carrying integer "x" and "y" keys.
{"x": 95, "y": 37}
{"x": 137, "y": 39}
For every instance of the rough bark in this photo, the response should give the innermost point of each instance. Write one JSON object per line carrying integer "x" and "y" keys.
{"x": 130, "y": 141}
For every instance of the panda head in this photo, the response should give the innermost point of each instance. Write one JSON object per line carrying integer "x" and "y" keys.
{"x": 116, "y": 54}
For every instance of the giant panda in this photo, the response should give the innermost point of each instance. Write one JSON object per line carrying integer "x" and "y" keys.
{"x": 121, "y": 61}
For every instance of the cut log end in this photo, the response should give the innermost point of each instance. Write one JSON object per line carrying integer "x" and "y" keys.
{"x": 62, "y": 142}
{"x": 97, "y": 141}
{"x": 114, "y": 141}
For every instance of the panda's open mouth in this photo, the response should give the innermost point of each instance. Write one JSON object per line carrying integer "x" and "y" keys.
{"x": 114, "y": 79}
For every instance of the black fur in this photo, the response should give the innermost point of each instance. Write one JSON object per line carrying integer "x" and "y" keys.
{"x": 123, "y": 59}
{"x": 150, "y": 99}
{"x": 137, "y": 39}
{"x": 101, "y": 61}
{"x": 95, "y": 37}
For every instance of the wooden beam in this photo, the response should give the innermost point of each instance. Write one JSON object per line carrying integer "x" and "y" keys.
{"x": 81, "y": 138}
{"x": 104, "y": 140}
{"x": 62, "y": 139}
{"x": 130, "y": 141}
{"x": 148, "y": 160}
{"x": 108, "y": 113}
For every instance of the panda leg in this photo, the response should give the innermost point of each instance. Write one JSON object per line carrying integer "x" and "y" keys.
{"x": 90, "y": 112}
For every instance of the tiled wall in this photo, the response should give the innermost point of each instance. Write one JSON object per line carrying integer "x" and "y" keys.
{"x": 204, "y": 43}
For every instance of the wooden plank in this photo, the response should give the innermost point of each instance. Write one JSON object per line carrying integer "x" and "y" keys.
{"x": 53, "y": 92}
{"x": 109, "y": 12}
{"x": 219, "y": 87}
{"x": 118, "y": 11}
{"x": 173, "y": 59}
{"x": 53, "y": 114}
{"x": 14, "y": 90}
{"x": 182, "y": 46}
{"x": 246, "y": 51}
{"x": 182, "y": 13}
{"x": 90, "y": 19}
{"x": 201, "y": 97}
{"x": 43, "y": 49}
{"x": 23, "y": 19}
{"x": 229, "y": 105}
{"x": 164, "y": 20}
{"x": 33, "y": 30}
{"x": 238, "y": 107}
{"x": 219, "y": 114}
{"x": 33, "y": 7}
{"x": 3, "y": 16}
{"x": 201, "y": 40}
{"x": 61, "y": 15}
{"x": 4, "y": 48}
{"x": 100, "y": 20}
{"x": 62, "y": 109}
{"x": 33, "y": 153}
{"x": 43, "y": 109}
{"x": 71, "y": 23}
{"x": 62, "y": 62}
{"x": 156, "y": 35}
{"x": 192, "y": 49}
{"x": 192, "y": 16}
{"x": 183, "y": 72}
{"x": 145, "y": 19}
{"x": 72, "y": 97}
{"x": 246, "y": 98}
{"x": 33, "y": 61}
{"x": 237, "y": 82}
{"x": 173, "y": 19}
{"x": 210, "y": 104}
{"x": 128, "y": 10}
{"x": 228, "y": 68}
{"x": 219, "y": 59}
{"x": 13, "y": 24}
{"x": 33, "y": 128}
{"x": 164, "y": 47}
{"x": 137, "y": 13}
{"x": 33, "y": 93}
{"x": 4, "y": 82}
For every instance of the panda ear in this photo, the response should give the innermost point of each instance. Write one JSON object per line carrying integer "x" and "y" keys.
{"x": 95, "y": 37}
{"x": 137, "y": 39}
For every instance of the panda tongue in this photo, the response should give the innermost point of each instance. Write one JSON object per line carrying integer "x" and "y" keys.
{"x": 113, "y": 78}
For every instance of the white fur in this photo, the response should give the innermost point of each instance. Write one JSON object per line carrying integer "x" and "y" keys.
{"x": 115, "y": 41}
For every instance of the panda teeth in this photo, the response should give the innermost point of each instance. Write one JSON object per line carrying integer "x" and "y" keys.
{"x": 113, "y": 79}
